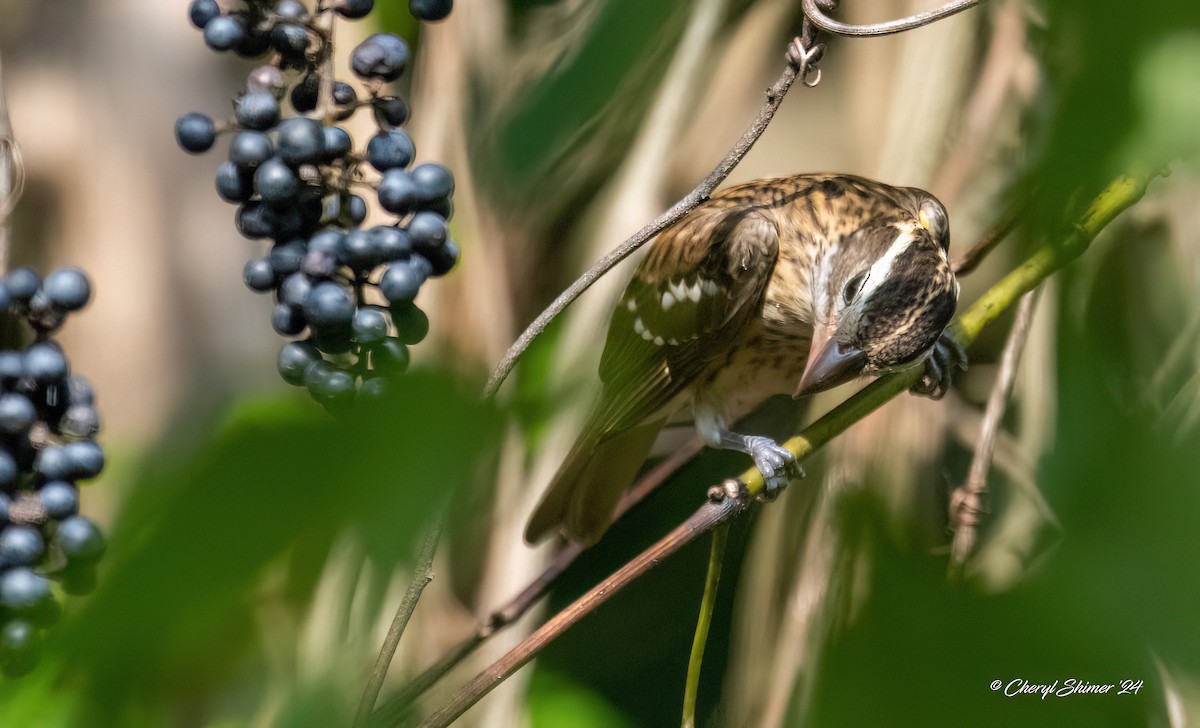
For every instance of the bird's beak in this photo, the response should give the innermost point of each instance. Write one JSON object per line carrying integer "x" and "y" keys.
{"x": 830, "y": 363}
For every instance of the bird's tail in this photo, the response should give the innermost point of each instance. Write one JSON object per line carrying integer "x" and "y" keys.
{"x": 586, "y": 488}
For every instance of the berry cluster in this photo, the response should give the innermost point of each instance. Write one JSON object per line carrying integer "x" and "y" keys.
{"x": 48, "y": 422}
{"x": 344, "y": 292}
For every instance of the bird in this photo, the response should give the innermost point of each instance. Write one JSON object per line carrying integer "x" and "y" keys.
{"x": 789, "y": 285}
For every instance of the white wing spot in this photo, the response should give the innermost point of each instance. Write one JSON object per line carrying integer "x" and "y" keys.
{"x": 658, "y": 340}
{"x": 708, "y": 287}
{"x": 631, "y": 304}
{"x": 647, "y": 335}
{"x": 693, "y": 292}
{"x": 673, "y": 341}
{"x": 668, "y": 301}
{"x": 639, "y": 328}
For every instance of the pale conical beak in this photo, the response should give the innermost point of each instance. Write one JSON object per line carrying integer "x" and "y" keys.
{"x": 830, "y": 363}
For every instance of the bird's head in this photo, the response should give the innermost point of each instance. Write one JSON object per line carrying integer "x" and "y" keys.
{"x": 882, "y": 295}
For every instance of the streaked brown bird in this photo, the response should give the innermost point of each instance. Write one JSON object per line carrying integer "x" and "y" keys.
{"x": 789, "y": 285}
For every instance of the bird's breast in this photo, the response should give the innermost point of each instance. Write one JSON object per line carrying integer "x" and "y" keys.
{"x": 766, "y": 361}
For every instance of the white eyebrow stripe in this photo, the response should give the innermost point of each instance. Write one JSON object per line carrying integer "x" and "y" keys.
{"x": 882, "y": 268}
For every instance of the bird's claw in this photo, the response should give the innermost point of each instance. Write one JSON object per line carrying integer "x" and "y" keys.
{"x": 776, "y": 464}
{"x": 947, "y": 358}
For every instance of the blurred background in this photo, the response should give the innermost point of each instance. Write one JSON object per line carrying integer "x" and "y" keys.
{"x": 257, "y": 547}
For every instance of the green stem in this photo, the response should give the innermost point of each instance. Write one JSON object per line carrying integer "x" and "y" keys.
{"x": 707, "y": 605}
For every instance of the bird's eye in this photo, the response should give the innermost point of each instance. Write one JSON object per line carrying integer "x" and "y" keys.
{"x": 853, "y": 286}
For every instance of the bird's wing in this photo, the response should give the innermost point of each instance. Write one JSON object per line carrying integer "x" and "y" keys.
{"x": 689, "y": 298}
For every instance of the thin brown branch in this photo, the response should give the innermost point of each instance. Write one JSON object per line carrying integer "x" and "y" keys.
{"x": 725, "y": 503}
{"x": 994, "y": 235}
{"x": 967, "y": 500}
{"x": 516, "y": 607}
{"x": 799, "y": 65}
{"x": 911, "y": 22}
{"x": 422, "y": 575}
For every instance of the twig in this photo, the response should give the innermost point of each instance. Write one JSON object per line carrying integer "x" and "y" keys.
{"x": 970, "y": 259}
{"x": 826, "y": 23}
{"x": 966, "y": 502}
{"x": 728, "y": 501}
{"x": 12, "y": 177}
{"x": 516, "y": 607}
{"x": 1117, "y": 197}
{"x": 796, "y": 68}
{"x": 708, "y": 605}
{"x": 422, "y": 575}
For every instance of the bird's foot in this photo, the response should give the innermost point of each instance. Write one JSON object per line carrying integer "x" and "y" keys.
{"x": 777, "y": 465}
{"x": 943, "y": 364}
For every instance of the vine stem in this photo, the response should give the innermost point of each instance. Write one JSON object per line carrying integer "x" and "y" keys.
{"x": 966, "y": 502}
{"x": 690, "y": 202}
{"x": 422, "y": 575}
{"x": 814, "y": 13}
{"x": 708, "y": 604}
{"x": 1114, "y": 199}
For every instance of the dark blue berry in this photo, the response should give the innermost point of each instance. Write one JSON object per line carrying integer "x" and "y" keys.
{"x": 412, "y": 325}
{"x": 8, "y": 470}
{"x": 254, "y": 45}
{"x": 200, "y": 12}
{"x": 17, "y": 414}
{"x": 252, "y": 221}
{"x": 329, "y": 305}
{"x": 5, "y": 298}
{"x": 344, "y": 94}
{"x": 392, "y": 243}
{"x": 389, "y": 356}
{"x": 359, "y": 250}
{"x": 381, "y": 56}
{"x": 85, "y": 459}
{"x": 328, "y": 240}
{"x": 356, "y": 207}
{"x": 370, "y": 325}
{"x": 80, "y": 420}
{"x": 67, "y": 288}
{"x": 337, "y": 142}
{"x": 430, "y": 10}
{"x": 286, "y": 257}
{"x": 79, "y": 390}
{"x": 46, "y": 363}
{"x": 22, "y": 284}
{"x": 275, "y": 182}
{"x": 443, "y": 258}
{"x": 306, "y": 93}
{"x": 20, "y": 546}
{"x": 295, "y": 359}
{"x": 401, "y": 282}
{"x": 258, "y": 275}
{"x": 318, "y": 264}
{"x": 290, "y": 40}
{"x": 291, "y": 9}
{"x": 390, "y": 111}
{"x": 224, "y": 33}
{"x": 428, "y": 231}
{"x": 266, "y": 78}
{"x": 195, "y": 132}
{"x": 355, "y": 9}
{"x": 295, "y": 289}
{"x": 59, "y": 498}
{"x": 373, "y": 388}
{"x": 398, "y": 193}
{"x": 287, "y": 320}
{"x": 333, "y": 339}
{"x": 301, "y": 140}
{"x": 21, "y": 589}
{"x": 433, "y": 181}
{"x": 258, "y": 110}
{"x": 390, "y": 149}
{"x": 80, "y": 540}
{"x": 250, "y": 148}
{"x": 233, "y": 183}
